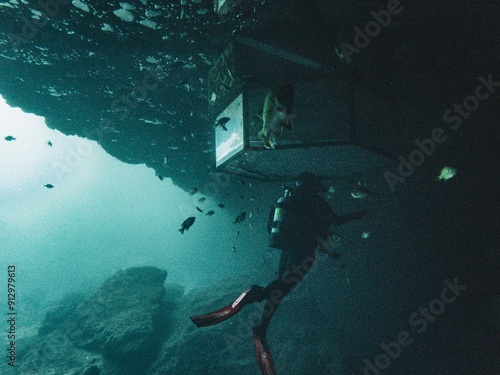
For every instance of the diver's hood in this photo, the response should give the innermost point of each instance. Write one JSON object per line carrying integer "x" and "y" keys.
{"x": 310, "y": 183}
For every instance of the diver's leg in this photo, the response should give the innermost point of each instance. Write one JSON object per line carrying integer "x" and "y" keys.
{"x": 283, "y": 261}
{"x": 251, "y": 295}
{"x": 292, "y": 271}
{"x": 263, "y": 355}
{"x": 275, "y": 293}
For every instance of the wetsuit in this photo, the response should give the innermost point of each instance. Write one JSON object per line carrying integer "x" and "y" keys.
{"x": 311, "y": 217}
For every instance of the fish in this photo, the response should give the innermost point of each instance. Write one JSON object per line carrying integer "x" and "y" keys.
{"x": 241, "y": 181}
{"x": 276, "y": 114}
{"x": 210, "y": 213}
{"x": 447, "y": 173}
{"x": 202, "y": 199}
{"x": 199, "y": 209}
{"x": 337, "y": 239}
{"x": 254, "y": 212}
{"x": 193, "y": 190}
{"x": 360, "y": 191}
{"x": 240, "y": 218}
{"x": 365, "y": 234}
{"x": 358, "y": 195}
{"x": 234, "y": 249}
{"x": 49, "y": 143}
{"x": 165, "y": 161}
{"x": 213, "y": 98}
{"x": 230, "y": 74}
{"x": 237, "y": 233}
{"x": 10, "y": 138}
{"x": 222, "y": 122}
{"x": 339, "y": 53}
{"x": 49, "y": 186}
{"x": 160, "y": 177}
{"x": 221, "y": 205}
{"x": 186, "y": 224}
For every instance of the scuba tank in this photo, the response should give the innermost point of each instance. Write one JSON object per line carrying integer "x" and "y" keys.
{"x": 279, "y": 238}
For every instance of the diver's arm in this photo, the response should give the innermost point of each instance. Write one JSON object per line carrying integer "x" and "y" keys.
{"x": 330, "y": 253}
{"x": 329, "y": 216}
{"x": 343, "y": 219}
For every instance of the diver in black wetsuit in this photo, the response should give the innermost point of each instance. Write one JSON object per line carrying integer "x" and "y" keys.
{"x": 309, "y": 219}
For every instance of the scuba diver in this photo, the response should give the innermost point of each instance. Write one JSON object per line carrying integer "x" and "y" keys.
{"x": 298, "y": 226}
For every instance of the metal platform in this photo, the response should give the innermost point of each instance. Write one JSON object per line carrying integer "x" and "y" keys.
{"x": 339, "y": 127}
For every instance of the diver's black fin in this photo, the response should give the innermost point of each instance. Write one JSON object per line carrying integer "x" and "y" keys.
{"x": 263, "y": 354}
{"x": 250, "y": 295}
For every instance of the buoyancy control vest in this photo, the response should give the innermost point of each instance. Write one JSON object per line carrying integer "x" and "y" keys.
{"x": 280, "y": 221}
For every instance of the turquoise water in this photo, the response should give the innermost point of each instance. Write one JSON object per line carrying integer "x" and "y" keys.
{"x": 103, "y": 215}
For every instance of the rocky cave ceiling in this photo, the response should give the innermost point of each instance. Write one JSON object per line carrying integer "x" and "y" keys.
{"x": 133, "y": 74}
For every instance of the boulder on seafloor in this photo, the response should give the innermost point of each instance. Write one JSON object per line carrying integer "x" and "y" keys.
{"x": 123, "y": 317}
